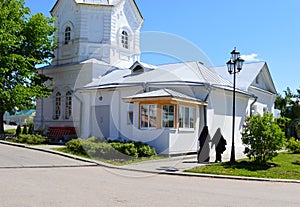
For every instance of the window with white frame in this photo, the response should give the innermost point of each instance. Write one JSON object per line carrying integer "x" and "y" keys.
{"x": 124, "y": 39}
{"x": 68, "y": 105}
{"x": 148, "y": 115}
{"x": 57, "y": 111}
{"x": 67, "y": 35}
{"x": 186, "y": 117}
{"x": 168, "y": 116}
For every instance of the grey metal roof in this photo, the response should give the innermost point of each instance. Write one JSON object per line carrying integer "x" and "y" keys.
{"x": 168, "y": 75}
{"x": 247, "y": 75}
{"x": 163, "y": 93}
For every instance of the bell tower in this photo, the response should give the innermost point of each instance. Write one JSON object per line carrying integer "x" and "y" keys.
{"x": 105, "y": 30}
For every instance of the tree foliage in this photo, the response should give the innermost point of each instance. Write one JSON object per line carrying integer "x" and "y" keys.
{"x": 262, "y": 137}
{"x": 26, "y": 41}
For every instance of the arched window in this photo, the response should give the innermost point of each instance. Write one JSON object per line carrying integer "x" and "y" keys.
{"x": 124, "y": 39}
{"x": 68, "y": 106}
{"x": 67, "y": 35}
{"x": 57, "y": 105}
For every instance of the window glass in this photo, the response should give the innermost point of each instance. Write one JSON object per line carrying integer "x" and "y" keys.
{"x": 168, "y": 116}
{"x": 124, "y": 39}
{"x": 191, "y": 117}
{"x": 68, "y": 107}
{"x": 148, "y": 115}
{"x": 67, "y": 35}
{"x": 186, "y": 117}
{"x": 57, "y": 105}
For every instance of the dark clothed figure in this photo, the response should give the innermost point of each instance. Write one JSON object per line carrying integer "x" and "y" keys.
{"x": 220, "y": 144}
{"x": 204, "y": 138}
{"x": 220, "y": 148}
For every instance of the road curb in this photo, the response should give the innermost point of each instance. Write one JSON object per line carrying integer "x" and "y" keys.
{"x": 188, "y": 174}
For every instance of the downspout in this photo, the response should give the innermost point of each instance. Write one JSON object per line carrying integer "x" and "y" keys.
{"x": 80, "y": 110}
{"x": 42, "y": 108}
{"x": 205, "y": 107}
{"x": 251, "y": 105}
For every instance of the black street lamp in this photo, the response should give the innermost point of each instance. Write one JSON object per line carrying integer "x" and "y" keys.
{"x": 234, "y": 66}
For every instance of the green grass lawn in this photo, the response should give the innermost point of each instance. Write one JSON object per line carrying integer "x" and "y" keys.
{"x": 284, "y": 166}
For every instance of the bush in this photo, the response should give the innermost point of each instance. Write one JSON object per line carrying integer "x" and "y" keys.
{"x": 10, "y": 131}
{"x": 30, "y": 139}
{"x": 30, "y": 128}
{"x": 24, "y": 130}
{"x": 75, "y": 146}
{"x": 293, "y": 145}
{"x": 144, "y": 150}
{"x": 18, "y": 130}
{"x": 125, "y": 148}
{"x": 262, "y": 138}
{"x": 99, "y": 148}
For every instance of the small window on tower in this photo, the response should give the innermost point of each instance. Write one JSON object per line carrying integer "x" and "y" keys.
{"x": 124, "y": 40}
{"x": 67, "y": 35}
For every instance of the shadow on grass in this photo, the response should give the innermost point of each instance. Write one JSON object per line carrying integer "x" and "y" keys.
{"x": 247, "y": 165}
{"x": 296, "y": 163}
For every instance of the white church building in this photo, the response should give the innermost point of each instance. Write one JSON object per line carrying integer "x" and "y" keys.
{"x": 101, "y": 88}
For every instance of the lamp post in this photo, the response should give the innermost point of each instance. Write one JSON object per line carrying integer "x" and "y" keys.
{"x": 234, "y": 66}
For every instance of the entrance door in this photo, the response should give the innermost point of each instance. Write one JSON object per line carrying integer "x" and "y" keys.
{"x": 102, "y": 114}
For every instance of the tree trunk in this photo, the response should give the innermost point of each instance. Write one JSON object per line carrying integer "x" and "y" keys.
{"x": 1, "y": 122}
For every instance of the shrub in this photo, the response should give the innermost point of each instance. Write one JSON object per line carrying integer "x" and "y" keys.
{"x": 30, "y": 128}
{"x": 95, "y": 139}
{"x": 262, "y": 137}
{"x": 100, "y": 150}
{"x": 293, "y": 145}
{"x": 24, "y": 130}
{"x": 10, "y": 131}
{"x": 30, "y": 139}
{"x": 144, "y": 150}
{"x": 125, "y": 148}
{"x": 18, "y": 130}
{"x": 75, "y": 146}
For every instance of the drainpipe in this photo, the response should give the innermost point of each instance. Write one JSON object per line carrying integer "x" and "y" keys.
{"x": 208, "y": 88}
{"x": 255, "y": 99}
{"x": 80, "y": 110}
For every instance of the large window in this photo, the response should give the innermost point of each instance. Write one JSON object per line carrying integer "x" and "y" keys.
{"x": 148, "y": 115}
{"x": 186, "y": 117}
{"x": 57, "y": 105}
{"x": 67, "y": 35}
{"x": 168, "y": 116}
{"x": 124, "y": 39}
{"x": 68, "y": 106}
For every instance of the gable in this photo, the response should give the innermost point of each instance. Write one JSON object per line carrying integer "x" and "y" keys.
{"x": 248, "y": 76}
{"x": 264, "y": 81}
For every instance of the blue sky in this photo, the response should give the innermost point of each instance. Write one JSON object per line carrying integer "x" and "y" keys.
{"x": 264, "y": 30}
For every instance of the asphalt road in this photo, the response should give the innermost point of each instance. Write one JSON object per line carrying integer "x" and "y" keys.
{"x": 17, "y": 157}
{"x": 99, "y": 186}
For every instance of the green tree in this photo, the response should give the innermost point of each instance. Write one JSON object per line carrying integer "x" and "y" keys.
{"x": 262, "y": 138}
{"x": 26, "y": 41}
